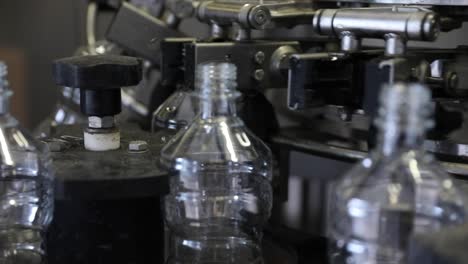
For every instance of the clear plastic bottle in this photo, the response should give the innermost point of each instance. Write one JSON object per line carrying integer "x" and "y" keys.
{"x": 173, "y": 114}
{"x": 66, "y": 112}
{"x": 26, "y": 199}
{"x": 397, "y": 191}
{"x": 220, "y": 191}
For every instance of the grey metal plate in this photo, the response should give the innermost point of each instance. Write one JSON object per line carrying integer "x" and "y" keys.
{"x": 139, "y": 32}
{"x": 242, "y": 55}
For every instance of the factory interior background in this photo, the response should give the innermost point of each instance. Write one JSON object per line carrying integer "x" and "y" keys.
{"x": 33, "y": 33}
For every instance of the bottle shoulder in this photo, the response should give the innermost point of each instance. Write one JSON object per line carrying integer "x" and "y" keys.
{"x": 21, "y": 153}
{"x": 222, "y": 140}
{"x": 413, "y": 166}
{"x": 400, "y": 180}
{"x": 177, "y": 111}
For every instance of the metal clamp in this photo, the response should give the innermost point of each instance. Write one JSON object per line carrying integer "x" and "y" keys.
{"x": 396, "y": 25}
{"x": 248, "y": 16}
{"x": 259, "y": 16}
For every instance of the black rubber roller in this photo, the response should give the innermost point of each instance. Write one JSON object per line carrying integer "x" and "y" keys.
{"x": 99, "y": 78}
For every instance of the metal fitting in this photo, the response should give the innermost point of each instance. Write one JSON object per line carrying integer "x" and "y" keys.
{"x": 248, "y": 16}
{"x": 410, "y": 23}
{"x": 349, "y": 42}
{"x": 101, "y": 122}
{"x": 259, "y": 16}
{"x": 394, "y": 45}
{"x": 259, "y": 74}
{"x": 259, "y": 57}
{"x": 138, "y": 146}
{"x": 279, "y": 62}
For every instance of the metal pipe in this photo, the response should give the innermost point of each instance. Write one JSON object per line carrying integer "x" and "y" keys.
{"x": 91, "y": 15}
{"x": 248, "y": 16}
{"x": 291, "y": 13}
{"x": 410, "y": 23}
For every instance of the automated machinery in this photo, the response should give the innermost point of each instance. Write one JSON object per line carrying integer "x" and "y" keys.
{"x": 310, "y": 73}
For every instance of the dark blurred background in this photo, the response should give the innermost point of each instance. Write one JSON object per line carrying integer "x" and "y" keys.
{"x": 32, "y": 34}
{"x": 35, "y": 32}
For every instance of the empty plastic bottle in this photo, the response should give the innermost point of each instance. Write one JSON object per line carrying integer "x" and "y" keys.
{"x": 26, "y": 199}
{"x": 173, "y": 114}
{"x": 220, "y": 191}
{"x": 397, "y": 191}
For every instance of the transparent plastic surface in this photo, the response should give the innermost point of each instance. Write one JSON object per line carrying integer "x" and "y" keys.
{"x": 66, "y": 112}
{"x": 220, "y": 192}
{"x": 26, "y": 198}
{"x": 175, "y": 113}
{"x": 398, "y": 191}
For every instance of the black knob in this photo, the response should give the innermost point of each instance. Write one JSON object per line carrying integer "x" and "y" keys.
{"x": 99, "y": 78}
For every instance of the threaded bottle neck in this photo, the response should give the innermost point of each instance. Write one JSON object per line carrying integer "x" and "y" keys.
{"x": 5, "y": 91}
{"x": 215, "y": 85}
{"x": 404, "y": 117}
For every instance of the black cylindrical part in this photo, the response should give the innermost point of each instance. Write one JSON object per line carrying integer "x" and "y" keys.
{"x": 103, "y": 102}
{"x": 120, "y": 231}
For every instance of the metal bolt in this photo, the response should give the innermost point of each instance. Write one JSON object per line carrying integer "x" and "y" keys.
{"x": 349, "y": 42}
{"x": 100, "y": 122}
{"x": 138, "y": 145}
{"x": 259, "y": 57}
{"x": 171, "y": 109}
{"x": 394, "y": 45}
{"x": 260, "y": 17}
{"x": 259, "y": 74}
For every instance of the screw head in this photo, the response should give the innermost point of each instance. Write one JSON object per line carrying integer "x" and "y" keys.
{"x": 259, "y": 74}
{"x": 259, "y": 57}
{"x": 260, "y": 17}
{"x": 138, "y": 145}
{"x": 101, "y": 122}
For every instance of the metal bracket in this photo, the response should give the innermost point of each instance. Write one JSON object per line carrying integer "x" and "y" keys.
{"x": 325, "y": 75}
{"x": 139, "y": 32}
{"x": 258, "y": 16}
{"x": 303, "y": 72}
{"x": 172, "y": 61}
{"x": 257, "y": 60}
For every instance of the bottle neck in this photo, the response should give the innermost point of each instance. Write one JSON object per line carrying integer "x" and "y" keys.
{"x": 217, "y": 107}
{"x": 394, "y": 139}
{"x": 404, "y": 117}
{"x": 216, "y": 88}
{"x": 5, "y": 94}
